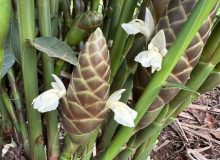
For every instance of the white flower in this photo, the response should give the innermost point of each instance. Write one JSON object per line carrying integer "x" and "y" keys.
{"x": 49, "y": 100}
{"x": 145, "y": 27}
{"x": 123, "y": 114}
{"x": 154, "y": 55}
{"x": 7, "y": 147}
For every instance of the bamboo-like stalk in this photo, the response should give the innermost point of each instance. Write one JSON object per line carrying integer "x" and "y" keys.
{"x": 69, "y": 149}
{"x": 147, "y": 148}
{"x": 19, "y": 111}
{"x": 48, "y": 69}
{"x": 90, "y": 145}
{"x": 189, "y": 30}
{"x": 29, "y": 69}
{"x": 144, "y": 135}
{"x": 54, "y": 7}
{"x": 212, "y": 81}
{"x": 120, "y": 36}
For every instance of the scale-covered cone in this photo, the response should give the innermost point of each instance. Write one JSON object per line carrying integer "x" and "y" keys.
{"x": 88, "y": 90}
{"x": 171, "y": 22}
{"x": 83, "y": 25}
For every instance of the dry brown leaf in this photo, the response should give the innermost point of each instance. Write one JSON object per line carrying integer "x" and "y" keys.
{"x": 216, "y": 133}
{"x": 201, "y": 134}
{"x": 197, "y": 155}
{"x": 209, "y": 120}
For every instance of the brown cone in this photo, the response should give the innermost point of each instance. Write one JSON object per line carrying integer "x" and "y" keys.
{"x": 88, "y": 90}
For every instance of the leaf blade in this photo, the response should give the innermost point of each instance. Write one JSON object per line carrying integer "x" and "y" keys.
{"x": 54, "y": 47}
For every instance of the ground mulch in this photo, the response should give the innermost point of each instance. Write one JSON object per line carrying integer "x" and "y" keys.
{"x": 196, "y": 133}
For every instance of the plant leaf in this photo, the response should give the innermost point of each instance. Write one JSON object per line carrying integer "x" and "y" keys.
{"x": 15, "y": 39}
{"x": 178, "y": 86}
{"x": 54, "y": 47}
{"x": 9, "y": 60}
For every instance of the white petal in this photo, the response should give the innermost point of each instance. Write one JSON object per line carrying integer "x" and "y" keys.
{"x": 149, "y": 22}
{"x": 47, "y": 101}
{"x": 136, "y": 26}
{"x": 58, "y": 84}
{"x": 150, "y": 59}
{"x": 6, "y": 147}
{"x": 163, "y": 52}
{"x": 159, "y": 41}
{"x": 116, "y": 96}
{"x": 123, "y": 114}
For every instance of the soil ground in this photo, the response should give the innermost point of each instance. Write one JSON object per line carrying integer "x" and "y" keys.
{"x": 195, "y": 134}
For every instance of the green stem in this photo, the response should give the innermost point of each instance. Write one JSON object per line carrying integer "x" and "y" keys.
{"x": 120, "y": 36}
{"x": 143, "y": 135}
{"x": 19, "y": 111}
{"x": 1, "y": 134}
{"x": 107, "y": 20}
{"x": 212, "y": 81}
{"x": 90, "y": 146}
{"x": 189, "y": 30}
{"x": 48, "y": 69}
{"x": 1, "y": 59}
{"x": 59, "y": 66}
{"x": 69, "y": 149}
{"x": 144, "y": 153}
{"x": 29, "y": 68}
{"x": 117, "y": 9}
{"x": 95, "y": 5}
{"x": 6, "y": 124}
{"x": 11, "y": 111}
{"x": 54, "y": 8}
{"x": 69, "y": 146}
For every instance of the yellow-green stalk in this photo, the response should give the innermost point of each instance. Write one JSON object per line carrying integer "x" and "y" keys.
{"x": 29, "y": 70}
{"x": 19, "y": 111}
{"x": 48, "y": 69}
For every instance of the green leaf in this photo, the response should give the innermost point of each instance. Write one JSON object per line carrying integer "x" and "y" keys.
{"x": 9, "y": 60}
{"x": 54, "y": 47}
{"x": 178, "y": 86}
{"x": 15, "y": 39}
